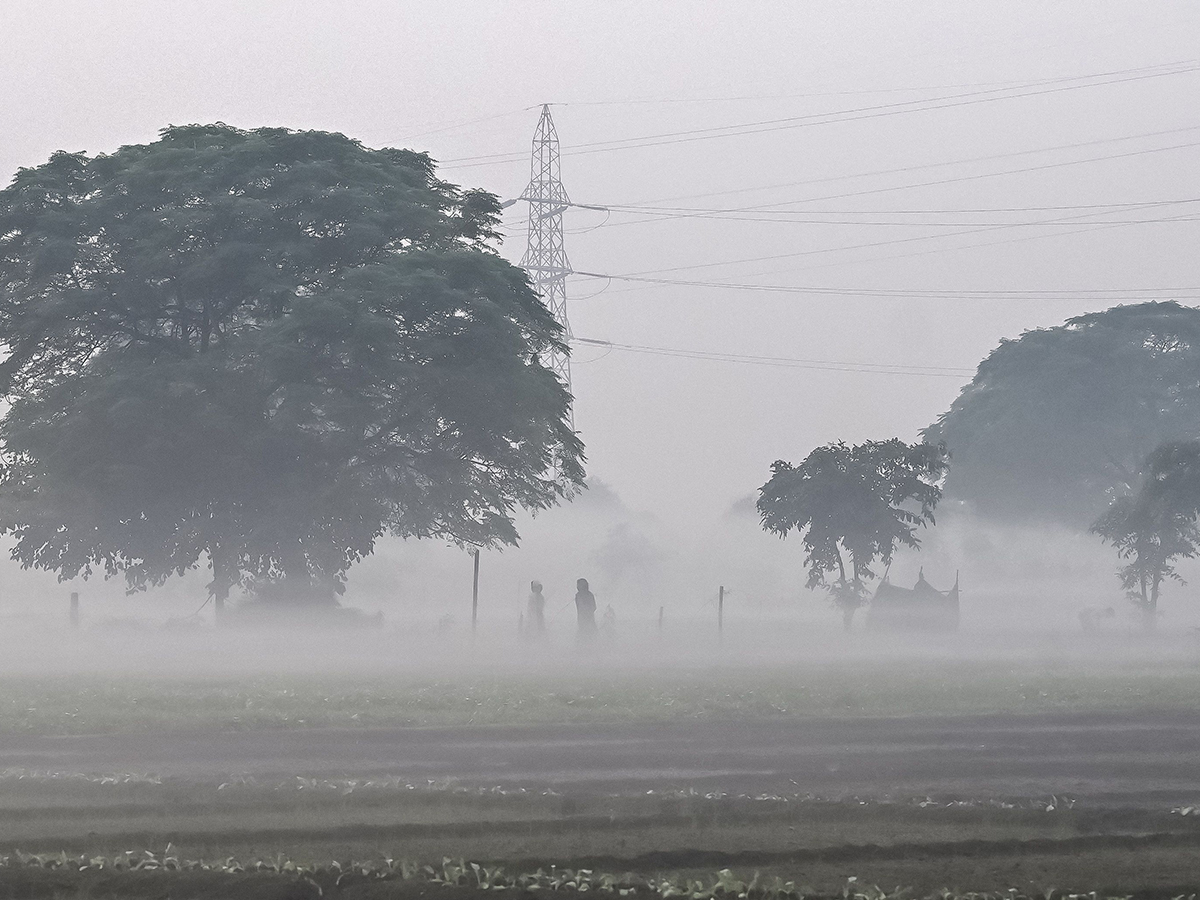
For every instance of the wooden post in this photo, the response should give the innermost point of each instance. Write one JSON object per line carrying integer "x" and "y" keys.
{"x": 74, "y": 609}
{"x": 721, "y": 610}
{"x": 475, "y": 593}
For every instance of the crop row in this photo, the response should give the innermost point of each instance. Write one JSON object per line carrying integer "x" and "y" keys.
{"x": 724, "y": 886}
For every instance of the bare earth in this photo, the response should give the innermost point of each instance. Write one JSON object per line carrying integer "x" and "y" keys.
{"x": 1136, "y": 756}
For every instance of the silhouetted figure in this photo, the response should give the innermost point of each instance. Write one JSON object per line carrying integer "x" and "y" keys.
{"x": 585, "y": 609}
{"x": 535, "y": 610}
{"x": 1090, "y": 618}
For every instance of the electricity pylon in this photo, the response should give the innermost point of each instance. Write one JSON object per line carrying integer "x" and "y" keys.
{"x": 545, "y": 256}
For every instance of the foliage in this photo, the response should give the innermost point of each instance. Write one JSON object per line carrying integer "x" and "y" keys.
{"x": 860, "y": 502}
{"x": 1057, "y": 422}
{"x": 1157, "y": 524}
{"x": 725, "y": 885}
{"x": 266, "y": 348}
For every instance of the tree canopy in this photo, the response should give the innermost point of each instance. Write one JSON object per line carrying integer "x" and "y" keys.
{"x": 1156, "y": 524}
{"x": 859, "y": 502}
{"x": 1058, "y": 422}
{"x": 266, "y": 348}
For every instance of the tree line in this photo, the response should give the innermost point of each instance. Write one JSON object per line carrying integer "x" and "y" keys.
{"x": 262, "y": 350}
{"x": 1091, "y": 425}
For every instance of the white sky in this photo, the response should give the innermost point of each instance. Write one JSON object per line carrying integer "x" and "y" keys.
{"x": 683, "y": 438}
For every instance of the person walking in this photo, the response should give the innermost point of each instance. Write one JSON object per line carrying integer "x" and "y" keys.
{"x": 585, "y": 610}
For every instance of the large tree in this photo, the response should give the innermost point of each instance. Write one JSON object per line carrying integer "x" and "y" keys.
{"x": 1156, "y": 524}
{"x": 265, "y": 349}
{"x": 853, "y": 505}
{"x": 1058, "y": 422}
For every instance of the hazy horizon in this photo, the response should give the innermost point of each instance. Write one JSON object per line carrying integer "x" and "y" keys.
{"x": 994, "y": 88}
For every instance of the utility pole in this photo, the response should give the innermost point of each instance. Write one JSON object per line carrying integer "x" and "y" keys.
{"x": 545, "y": 256}
{"x": 475, "y": 594}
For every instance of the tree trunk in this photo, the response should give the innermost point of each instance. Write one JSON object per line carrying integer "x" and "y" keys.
{"x": 1151, "y": 610}
{"x": 221, "y": 584}
{"x": 847, "y": 617}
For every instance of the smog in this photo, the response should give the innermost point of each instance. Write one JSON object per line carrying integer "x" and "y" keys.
{"x": 728, "y": 451}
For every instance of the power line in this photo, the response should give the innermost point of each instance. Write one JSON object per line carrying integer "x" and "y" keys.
{"x": 454, "y": 125}
{"x": 786, "y": 362}
{"x": 647, "y": 283}
{"x": 922, "y": 166}
{"x": 850, "y": 115}
{"x": 799, "y": 217}
{"x": 925, "y": 211}
{"x": 657, "y": 101}
{"x": 1106, "y": 294}
{"x": 941, "y": 181}
{"x": 871, "y": 244}
{"x": 871, "y": 112}
{"x": 925, "y": 223}
{"x": 771, "y": 207}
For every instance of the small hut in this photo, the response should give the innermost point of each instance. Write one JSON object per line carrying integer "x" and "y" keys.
{"x": 919, "y": 608}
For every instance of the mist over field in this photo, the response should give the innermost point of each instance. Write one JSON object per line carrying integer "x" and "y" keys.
{"x": 673, "y": 451}
{"x": 1022, "y": 593}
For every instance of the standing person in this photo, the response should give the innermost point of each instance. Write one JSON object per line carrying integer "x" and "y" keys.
{"x": 535, "y": 610}
{"x": 585, "y": 609}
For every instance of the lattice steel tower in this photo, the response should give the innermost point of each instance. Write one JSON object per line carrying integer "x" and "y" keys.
{"x": 545, "y": 256}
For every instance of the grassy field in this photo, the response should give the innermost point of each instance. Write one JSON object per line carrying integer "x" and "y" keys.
{"x": 90, "y": 704}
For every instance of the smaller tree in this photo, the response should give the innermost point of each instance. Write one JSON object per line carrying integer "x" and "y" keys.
{"x": 854, "y": 504}
{"x": 1157, "y": 524}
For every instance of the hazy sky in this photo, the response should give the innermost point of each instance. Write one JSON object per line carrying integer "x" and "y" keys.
{"x": 686, "y": 437}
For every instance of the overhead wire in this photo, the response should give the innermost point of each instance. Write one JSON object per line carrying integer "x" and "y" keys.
{"x": 770, "y": 208}
{"x": 922, "y": 166}
{"x": 940, "y": 181}
{"x": 924, "y": 211}
{"x": 465, "y": 123}
{"x": 855, "y": 114}
{"x": 1159, "y": 293}
{"x": 912, "y": 89}
{"x": 785, "y": 362}
{"x": 863, "y": 246}
{"x": 918, "y": 293}
{"x": 770, "y": 213}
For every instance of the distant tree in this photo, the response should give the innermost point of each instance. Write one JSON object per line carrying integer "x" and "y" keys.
{"x": 1057, "y": 423}
{"x": 1156, "y": 524}
{"x": 265, "y": 349}
{"x": 853, "y": 504}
